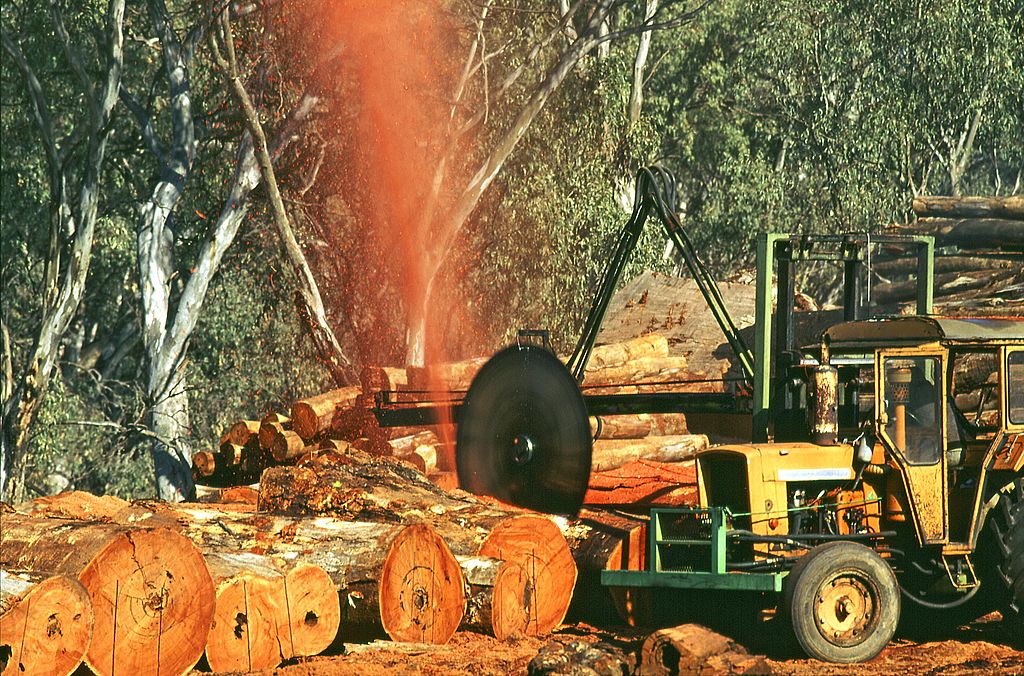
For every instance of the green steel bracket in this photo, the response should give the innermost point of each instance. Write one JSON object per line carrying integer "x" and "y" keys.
{"x": 716, "y": 577}
{"x": 737, "y": 581}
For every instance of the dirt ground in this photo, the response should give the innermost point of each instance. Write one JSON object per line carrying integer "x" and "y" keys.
{"x": 982, "y": 646}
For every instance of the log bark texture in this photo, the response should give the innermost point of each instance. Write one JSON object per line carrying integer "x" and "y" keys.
{"x": 609, "y": 454}
{"x": 637, "y": 426}
{"x": 381, "y": 490}
{"x": 313, "y": 416}
{"x": 971, "y": 233}
{"x": 616, "y": 354}
{"x": 693, "y": 649}
{"x": 1011, "y": 207}
{"x": 45, "y": 624}
{"x": 151, "y": 592}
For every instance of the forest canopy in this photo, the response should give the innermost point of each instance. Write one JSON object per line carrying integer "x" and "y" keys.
{"x": 210, "y": 209}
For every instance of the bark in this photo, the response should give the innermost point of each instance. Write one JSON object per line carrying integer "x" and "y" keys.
{"x": 971, "y": 233}
{"x": 72, "y": 228}
{"x": 617, "y": 354}
{"x": 313, "y": 416}
{"x": 151, "y": 592}
{"x": 1011, "y": 207}
{"x": 45, "y": 624}
{"x": 614, "y": 453}
{"x": 692, "y": 649}
{"x": 636, "y": 92}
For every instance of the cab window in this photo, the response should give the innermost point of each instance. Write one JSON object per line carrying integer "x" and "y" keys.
{"x": 1015, "y": 386}
{"x": 974, "y": 390}
{"x": 912, "y": 389}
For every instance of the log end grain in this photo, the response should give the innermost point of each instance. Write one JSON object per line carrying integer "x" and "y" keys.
{"x": 153, "y": 599}
{"x": 422, "y": 594}
{"x": 539, "y": 563}
{"x": 243, "y": 636}
{"x": 314, "y": 611}
{"x": 47, "y": 630}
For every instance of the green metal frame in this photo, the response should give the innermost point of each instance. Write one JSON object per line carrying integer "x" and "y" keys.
{"x": 766, "y": 259}
{"x": 716, "y": 577}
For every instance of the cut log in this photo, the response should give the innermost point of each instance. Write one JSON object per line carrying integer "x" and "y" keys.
{"x": 250, "y": 607}
{"x": 452, "y": 376}
{"x": 644, "y": 370}
{"x": 231, "y": 455}
{"x": 314, "y": 609}
{"x": 242, "y": 432}
{"x": 693, "y": 649}
{"x": 232, "y": 495}
{"x": 287, "y": 446}
{"x": 942, "y": 264}
{"x": 312, "y": 416}
{"x": 407, "y": 444}
{"x": 638, "y": 426}
{"x": 45, "y": 624}
{"x": 357, "y": 422}
{"x": 375, "y": 379}
{"x": 204, "y": 463}
{"x": 270, "y": 425}
{"x": 971, "y": 233}
{"x": 423, "y": 458}
{"x": 616, "y": 354}
{"x": 1011, "y": 207}
{"x": 403, "y": 578}
{"x": 605, "y": 541}
{"x": 382, "y": 490}
{"x": 151, "y": 592}
{"x": 611, "y": 454}
{"x": 541, "y": 574}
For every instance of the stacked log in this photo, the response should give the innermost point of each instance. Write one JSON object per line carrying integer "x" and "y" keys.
{"x": 45, "y": 623}
{"x": 979, "y": 269}
{"x": 151, "y": 593}
{"x": 532, "y": 585}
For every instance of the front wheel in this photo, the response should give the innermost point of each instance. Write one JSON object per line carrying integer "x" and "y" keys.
{"x": 843, "y": 602}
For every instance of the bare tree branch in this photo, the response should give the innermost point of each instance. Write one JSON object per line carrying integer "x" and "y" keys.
{"x": 323, "y": 335}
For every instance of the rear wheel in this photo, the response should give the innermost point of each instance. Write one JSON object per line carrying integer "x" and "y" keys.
{"x": 843, "y": 602}
{"x": 1006, "y": 526}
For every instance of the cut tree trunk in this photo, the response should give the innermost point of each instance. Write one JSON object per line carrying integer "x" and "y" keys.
{"x": 375, "y": 379}
{"x": 971, "y": 233}
{"x": 151, "y": 592}
{"x": 693, "y": 649}
{"x": 609, "y": 454}
{"x": 971, "y": 207}
{"x": 637, "y": 426}
{"x": 643, "y": 484}
{"x": 382, "y": 490}
{"x": 287, "y": 446}
{"x": 638, "y": 371}
{"x": 241, "y": 433}
{"x": 270, "y": 426}
{"x": 605, "y": 541}
{"x": 441, "y": 377}
{"x": 403, "y": 578}
{"x": 249, "y": 609}
{"x": 313, "y": 416}
{"x": 616, "y": 354}
{"x": 45, "y": 624}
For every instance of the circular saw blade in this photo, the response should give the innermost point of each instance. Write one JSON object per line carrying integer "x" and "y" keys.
{"x": 524, "y": 433}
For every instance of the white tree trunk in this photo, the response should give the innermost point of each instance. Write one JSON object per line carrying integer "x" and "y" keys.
{"x": 172, "y": 457}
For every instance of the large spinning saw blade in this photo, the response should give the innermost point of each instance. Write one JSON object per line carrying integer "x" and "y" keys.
{"x": 524, "y": 433}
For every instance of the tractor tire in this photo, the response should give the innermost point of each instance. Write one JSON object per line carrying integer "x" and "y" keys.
{"x": 842, "y": 602}
{"x": 1006, "y": 526}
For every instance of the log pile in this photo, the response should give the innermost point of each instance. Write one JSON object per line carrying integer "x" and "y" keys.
{"x": 979, "y": 265}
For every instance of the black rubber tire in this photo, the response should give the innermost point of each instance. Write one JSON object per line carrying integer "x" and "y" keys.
{"x": 821, "y": 571}
{"x": 1006, "y": 526}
